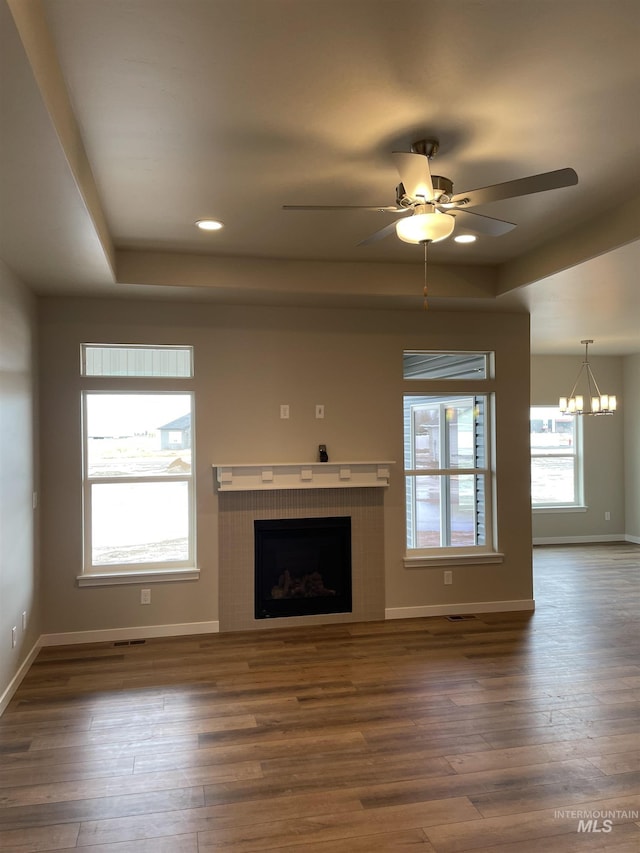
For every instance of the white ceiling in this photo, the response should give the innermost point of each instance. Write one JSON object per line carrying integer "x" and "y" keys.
{"x": 124, "y": 121}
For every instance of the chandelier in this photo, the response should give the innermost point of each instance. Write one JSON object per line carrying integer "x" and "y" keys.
{"x": 600, "y": 404}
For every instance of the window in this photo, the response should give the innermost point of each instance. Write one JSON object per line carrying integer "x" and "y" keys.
{"x": 136, "y": 360}
{"x": 138, "y": 484}
{"x": 447, "y": 471}
{"x": 556, "y": 469}
{"x": 445, "y": 365}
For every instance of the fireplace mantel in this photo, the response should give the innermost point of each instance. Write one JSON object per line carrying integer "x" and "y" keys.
{"x": 301, "y": 475}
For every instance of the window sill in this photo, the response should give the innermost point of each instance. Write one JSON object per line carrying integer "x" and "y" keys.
{"x": 464, "y": 559}
{"x": 537, "y": 510}
{"x": 149, "y": 576}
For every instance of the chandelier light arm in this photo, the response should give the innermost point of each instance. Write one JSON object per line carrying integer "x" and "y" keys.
{"x": 575, "y": 384}
{"x": 592, "y": 378}
{"x": 590, "y": 375}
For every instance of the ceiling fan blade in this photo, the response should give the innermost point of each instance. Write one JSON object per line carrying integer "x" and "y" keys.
{"x": 379, "y": 235}
{"x": 481, "y": 224}
{"x": 380, "y": 209}
{"x": 415, "y": 174}
{"x": 522, "y": 186}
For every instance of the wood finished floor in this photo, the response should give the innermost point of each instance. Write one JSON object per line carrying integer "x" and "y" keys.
{"x": 489, "y": 734}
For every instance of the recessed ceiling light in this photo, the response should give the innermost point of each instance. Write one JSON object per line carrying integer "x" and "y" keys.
{"x": 209, "y": 224}
{"x": 465, "y": 238}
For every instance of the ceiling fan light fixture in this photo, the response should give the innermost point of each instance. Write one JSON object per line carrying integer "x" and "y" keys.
{"x": 427, "y": 225}
{"x": 465, "y": 238}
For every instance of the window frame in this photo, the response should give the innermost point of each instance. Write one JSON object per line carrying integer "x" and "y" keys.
{"x": 453, "y": 554}
{"x": 577, "y": 455}
{"x": 148, "y": 572}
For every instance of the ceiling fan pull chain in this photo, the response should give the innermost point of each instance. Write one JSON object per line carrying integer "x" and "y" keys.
{"x": 425, "y": 304}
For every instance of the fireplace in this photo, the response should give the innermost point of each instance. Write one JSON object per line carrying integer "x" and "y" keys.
{"x": 302, "y": 566}
{"x": 309, "y": 493}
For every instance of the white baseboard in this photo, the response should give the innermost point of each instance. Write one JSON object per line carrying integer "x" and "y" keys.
{"x": 578, "y": 540}
{"x": 454, "y": 609}
{"x": 634, "y": 539}
{"x": 13, "y": 685}
{"x": 149, "y": 632}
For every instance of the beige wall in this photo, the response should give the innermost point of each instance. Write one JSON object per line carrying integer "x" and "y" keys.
{"x": 604, "y": 469}
{"x": 248, "y": 361}
{"x": 18, "y": 480}
{"x": 631, "y": 411}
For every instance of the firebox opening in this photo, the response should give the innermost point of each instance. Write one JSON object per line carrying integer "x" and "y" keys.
{"x": 302, "y": 566}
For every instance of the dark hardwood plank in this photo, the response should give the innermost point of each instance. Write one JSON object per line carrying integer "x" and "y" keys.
{"x": 389, "y": 736}
{"x": 229, "y": 814}
{"x": 168, "y": 844}
{"x": 39, "y": 839}
{"x": 334, "y": 827}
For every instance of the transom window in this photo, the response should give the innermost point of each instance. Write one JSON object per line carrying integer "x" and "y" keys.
{"x": 136, "y": 360}
{"x": 445, "y": 365}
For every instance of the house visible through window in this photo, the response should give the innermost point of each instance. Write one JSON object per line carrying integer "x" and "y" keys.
{"x": 556, "y": 458}
{"x": 447, "y": 473}
{"x": 138, "y": 484}
{"x": 445, "y": 365}
{"x": 447, "y": 465}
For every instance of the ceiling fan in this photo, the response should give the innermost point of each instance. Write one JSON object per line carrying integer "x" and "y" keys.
{"x": 433, "y": 205}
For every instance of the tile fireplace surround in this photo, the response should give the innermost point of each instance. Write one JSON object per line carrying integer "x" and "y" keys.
{"x": 250, "y": 492}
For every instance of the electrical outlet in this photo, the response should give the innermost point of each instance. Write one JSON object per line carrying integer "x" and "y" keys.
{"x": 607, "y": 516}
{"x": 319, "y": 410}
{"x": 14, "y": 637}
{"x": 145, "y": 596}
{"x": 284, "y": 411}
{"x": 448, "y": 578}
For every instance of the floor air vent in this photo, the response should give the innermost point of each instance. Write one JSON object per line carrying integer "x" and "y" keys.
{"x": 130, "y": 643}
